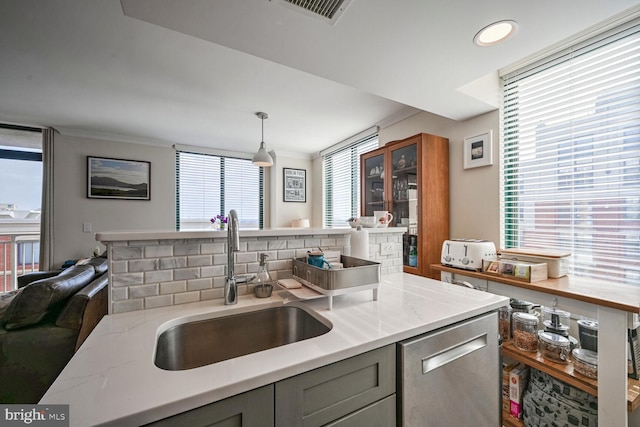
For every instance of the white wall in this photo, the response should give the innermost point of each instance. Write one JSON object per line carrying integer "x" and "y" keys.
{"x": 474, "y": 193}
{"x": 284, "y": 212}
{"x": 72, "y": 208}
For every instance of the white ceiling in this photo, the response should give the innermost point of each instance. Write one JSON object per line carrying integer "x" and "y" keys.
{"x": 195, "y": 71}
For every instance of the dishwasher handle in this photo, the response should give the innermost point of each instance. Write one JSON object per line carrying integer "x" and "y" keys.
{"x": 450, "y": 354}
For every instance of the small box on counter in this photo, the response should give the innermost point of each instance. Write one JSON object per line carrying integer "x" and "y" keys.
{"x": 518, "y": 379}
{"x": 557, "y": 262}
{"x": 519, "y": 270}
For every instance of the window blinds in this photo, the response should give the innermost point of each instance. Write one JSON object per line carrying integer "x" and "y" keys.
{"x": 342, "y": 181}
{"x": 209, "y": 185}
{"x": 571, "y": 156}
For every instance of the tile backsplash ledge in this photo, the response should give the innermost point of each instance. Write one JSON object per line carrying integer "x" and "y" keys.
{"x": 152, "y": 273}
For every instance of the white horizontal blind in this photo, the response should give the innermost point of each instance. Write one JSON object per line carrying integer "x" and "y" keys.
{"x": 342, "y": 182}
{"x": 571, "y": 156}
{"x": 209, "y": 185}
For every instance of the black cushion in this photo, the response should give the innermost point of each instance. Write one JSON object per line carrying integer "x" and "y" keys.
{"x": 42, "y": 297}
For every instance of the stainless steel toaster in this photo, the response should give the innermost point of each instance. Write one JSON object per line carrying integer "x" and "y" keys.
{"x": 467, "y": 253}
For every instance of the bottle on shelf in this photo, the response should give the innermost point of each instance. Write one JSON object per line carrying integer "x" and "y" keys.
{"x": 413, "y": 251}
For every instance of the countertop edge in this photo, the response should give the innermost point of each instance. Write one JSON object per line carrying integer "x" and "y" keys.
{"x": 116, "y": 236}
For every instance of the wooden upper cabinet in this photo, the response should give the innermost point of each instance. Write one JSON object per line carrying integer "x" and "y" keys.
{"x": 410, "y": 179}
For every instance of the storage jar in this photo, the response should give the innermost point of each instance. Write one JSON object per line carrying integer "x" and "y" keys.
{"x": 556, "y": 321}
{"x": 554, "y": 347}
{"x": 525, "y": 331}
{"x": 504, "y": 322}
{"x": 588, "y": 334}
{"x": 585, "y": 362}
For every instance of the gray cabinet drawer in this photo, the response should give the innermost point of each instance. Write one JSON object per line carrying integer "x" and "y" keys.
{"x": 326, "y": 394}
{"x": 251, "y": 409}
{"x": 380, "y": 414}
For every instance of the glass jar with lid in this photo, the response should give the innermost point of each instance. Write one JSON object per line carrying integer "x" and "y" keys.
{"x": 504, "y": 322}
{"x": 554, "y": 347}
{"x": 525, "y": 331}
{"x": 585, "y": 362}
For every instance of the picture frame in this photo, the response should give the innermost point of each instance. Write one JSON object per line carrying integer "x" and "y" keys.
{"x": 295, "y": 185}
{"x": 109, "y": 178}
{"x": 478, "y": 150}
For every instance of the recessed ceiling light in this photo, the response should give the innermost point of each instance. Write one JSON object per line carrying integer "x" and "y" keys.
{"x": 495, "y": 33}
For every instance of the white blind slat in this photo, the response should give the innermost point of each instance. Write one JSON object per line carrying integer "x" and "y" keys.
{"x": 342, "y": 181}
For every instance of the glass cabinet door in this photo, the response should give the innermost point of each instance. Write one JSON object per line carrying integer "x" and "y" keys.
{"x": 404, "y": 198}
{"x": 373, "y": 191}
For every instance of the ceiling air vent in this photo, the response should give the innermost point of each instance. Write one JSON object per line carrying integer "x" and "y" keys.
{"x": 327, "y": 10}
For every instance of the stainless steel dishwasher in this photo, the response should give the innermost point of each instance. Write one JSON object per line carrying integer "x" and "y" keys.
{"x": 450, "y": 377}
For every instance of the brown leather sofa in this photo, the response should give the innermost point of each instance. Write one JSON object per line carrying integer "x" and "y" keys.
{"x": 44, "y": 322}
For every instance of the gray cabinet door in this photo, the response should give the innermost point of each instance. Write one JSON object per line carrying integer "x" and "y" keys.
{"x": 327, "y": 394}
{"x": 251, "y": 409}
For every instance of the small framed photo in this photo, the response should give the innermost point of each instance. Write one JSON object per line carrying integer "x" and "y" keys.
{"x": 118, "y": 179}
{"x": 295, "y": 185}
{"x": 478, "y": 150}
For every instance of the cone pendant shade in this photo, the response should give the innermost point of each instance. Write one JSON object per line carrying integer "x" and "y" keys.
{"x": 262, "y": 158}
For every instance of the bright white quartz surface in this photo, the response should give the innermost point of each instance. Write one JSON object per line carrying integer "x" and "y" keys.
{"x": 112, "y": 379}
{"x": 110, "y": 236}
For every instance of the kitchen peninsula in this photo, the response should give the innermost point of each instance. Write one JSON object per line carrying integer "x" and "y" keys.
{"x": 112, "y": 379}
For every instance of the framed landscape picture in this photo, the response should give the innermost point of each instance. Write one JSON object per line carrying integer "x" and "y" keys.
{"x": 118, "y": 179}
{"x": 295, "y": 185}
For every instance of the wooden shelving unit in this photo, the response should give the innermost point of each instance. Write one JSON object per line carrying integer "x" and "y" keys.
{"x": 564, "y": 372}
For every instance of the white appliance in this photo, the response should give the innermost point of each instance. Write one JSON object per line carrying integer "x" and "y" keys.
{"x": 467, "y": 253}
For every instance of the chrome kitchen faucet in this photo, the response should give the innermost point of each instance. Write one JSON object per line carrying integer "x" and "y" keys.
{"x": 233, "y": 244}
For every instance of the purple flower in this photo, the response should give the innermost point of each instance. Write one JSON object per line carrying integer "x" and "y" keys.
{"x": 222, "y": 218}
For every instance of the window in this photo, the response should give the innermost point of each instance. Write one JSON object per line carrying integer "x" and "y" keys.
{"x": 20, "y": 199}
{"x": 571, "y": 155}
{"x": 209, "y": 185}
{"x": 342, "y": 181}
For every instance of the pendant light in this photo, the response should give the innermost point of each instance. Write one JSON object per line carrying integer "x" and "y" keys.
{"x": 262, "y": 158}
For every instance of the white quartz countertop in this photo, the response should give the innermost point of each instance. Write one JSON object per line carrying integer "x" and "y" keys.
{"x": 111, "y": 236}
{"x": 112, "y": 379}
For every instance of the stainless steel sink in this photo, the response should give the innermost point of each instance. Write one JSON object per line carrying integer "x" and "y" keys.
{"x": 203, "y": 342}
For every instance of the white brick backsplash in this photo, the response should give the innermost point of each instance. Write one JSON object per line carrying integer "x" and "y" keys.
{"x": 186, "y": 249}
{"x": 120, "y": 294}
{"x": 212, "y": 248}
{"x": 199, "y": 260}
{"x": 186, "y": 273}
{"x": 126, "y": 279}
{"x": 158, "y": 301}
{"x": 119, "y": 267}
{"x": 245, "y": 257}
{"x": 158, "y": 276}
{"x": 275, "y": 245}
{"x": 128, "y": 305}
{"x": 160, "y": 273}
{"x": 186, "y": 297}
{"x": 199, "y": 284}
{"x": 142, "y": 291}
{"x": 258, "y": 245}
{"x": 143, "y": 265}
{"x": 158, "y": 251}
{"x": 212, "y": 271}
{"x": 126, "y": 252}
{"x": 171, "y": 263}
{"x": 173, "y": 287}
{"x": 216, "y": 293}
